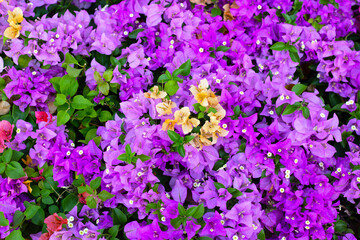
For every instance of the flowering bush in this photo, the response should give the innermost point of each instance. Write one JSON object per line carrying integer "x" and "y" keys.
{"x": 142, "y": 119}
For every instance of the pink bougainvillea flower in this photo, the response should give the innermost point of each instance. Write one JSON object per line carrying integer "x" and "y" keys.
{"x": 6, "y": 130}
{"x": 54, "y": 223}
{"x": 42, "y": 117}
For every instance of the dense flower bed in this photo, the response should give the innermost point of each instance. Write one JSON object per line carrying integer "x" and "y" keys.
{"x": 142, "y": 119}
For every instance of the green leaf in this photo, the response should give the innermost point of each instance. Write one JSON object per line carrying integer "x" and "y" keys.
{"x": 16, "y": 155}
{"x": 73, "y": 72}
{"x": 186, "y": 67}
{"x": 95, "y": 184}
{"x": 216, "y": 12}
{"x": 188, "y": 138}
{"x": 7, "y": 155}
{"x": 54, "y": 209}
{"x": 2, "y": 167}
{"x": 69, "y": 202}
{"x": 261, "y": 235}
{"x": 3, "y": 221}
{"x": 195, "y": 212}
{"x": 104, "y": 87}
{"x": 60, "y": 99}
{"x": 163, "y": 78}
{"x": 114, "y": 230}
{"x": 105, "y": 116}
{"x": 219, "y": 185}
{"x": 197, "y": 107}
{"x": 133, "y": 34}
{"x": 340, "y": 226}
{"x": 305, "y": 112}
{"x": 48, "y": 172}
{"x": 105, "y": 195}
{"x": 62, "y": 117}
{"x": 177, "y": 72}
{"x": 168, "y": 74}
{"x": 128, "y": 149}
{"x": 181, "y": 210}
{"x": 292, "y": 49}
{"x": 108, "y": 74}
{"x": 175, "y": 137}
{"x": 114, "y": 61}
{"x": 68, "y": 85}
{"x": 222, "y": 48}
{"x": 298, "y": 89}
{"x": 278, "y": 46}
{"x": 234, "y": 192}
{"x": 171, "y": 87}
{"x": 39, "y": 217}
{"x": 18, "y": 114}
{"x": 212, "y": 110}
{"x": 14, "y": 170}
{"x": 237, "y": 111}
{"x": 69, "y": 59}
{"x": 81, "y": 189}
{"x": 79, "y": 102}
{"x": 204, "y": 238}
{"x": 143, "y": 157}
{"x": 290, "y": 109}
{"x": 47, "y": 200}
{"x": 297, "y": 5}
{"x": 294, "y": 57}
{"x": 15, "y": 235}
{"x": 56, "y": 83}
{"x": 18, "y": 218}
{"x": 119, "y": 218}
{"x": 24, "y": 61}
{"x": 181, "y": 150}
{"x": 97, "y": 77}
{"x": 176, "y": 222}
{"x": 31, "y": 210}
{"x": 91, "y": 202}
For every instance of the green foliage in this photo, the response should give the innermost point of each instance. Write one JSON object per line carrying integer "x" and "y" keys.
{"x": 293, "y": 52}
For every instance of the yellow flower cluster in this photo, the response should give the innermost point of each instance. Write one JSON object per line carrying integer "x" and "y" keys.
{"x": 15, "y": 19}
{"x": 206, "y": 98}
{"x": 165, "y": 108}
{"x": 211, "y": 129}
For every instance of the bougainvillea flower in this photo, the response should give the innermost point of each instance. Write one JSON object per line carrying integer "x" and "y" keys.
{"x": 42, "y": 117}
{"x": 54, "y": 223}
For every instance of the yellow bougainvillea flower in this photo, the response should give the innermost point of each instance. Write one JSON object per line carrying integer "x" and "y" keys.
{"x": 13, "y": 31}
{"x": 213, "y": 130}
{"x": 165, "y": 108}
{"x": 212, "y": 99}
{"x": 202, "y": 98}
{"x": 27, "y": 184}
{"x": 182, "y": 115}
{"x": 28, "y": 161}
{"x": 199, "y": 142}
{"x": 216, "y": 117}
{"x": 182, "y": 118}
{"x": 168, "y": 125}
{"x": 155, "y": 93}
{"x": 202, "y": 94}
{"x": 14, "y": 19}
{"x": 209, "y": 128}
{"x": 203, "y": 86}
{"x": 189, "y": 125}
{"x": 16, "y": 16}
